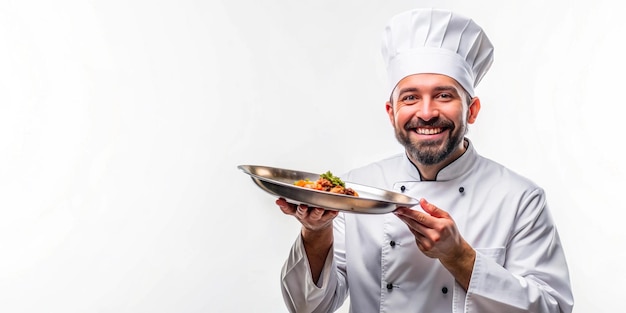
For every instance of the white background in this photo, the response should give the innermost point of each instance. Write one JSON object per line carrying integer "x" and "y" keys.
{"x": 122, "y": 123}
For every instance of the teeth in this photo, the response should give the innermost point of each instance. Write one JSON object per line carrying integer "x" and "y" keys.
{"x": 428, "y": 131}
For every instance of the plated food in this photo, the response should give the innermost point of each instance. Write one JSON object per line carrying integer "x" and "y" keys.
{"x": 281, "y": 182}
{"x": 327, "y": 182}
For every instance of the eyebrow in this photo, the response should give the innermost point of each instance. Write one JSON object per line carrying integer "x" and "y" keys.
{"x": 438, "y": 88}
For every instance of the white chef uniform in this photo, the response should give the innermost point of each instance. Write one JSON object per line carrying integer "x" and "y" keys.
{"x": 520, "y": 265}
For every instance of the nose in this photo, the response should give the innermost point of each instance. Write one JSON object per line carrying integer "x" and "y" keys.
{"x": 427, "y": 109}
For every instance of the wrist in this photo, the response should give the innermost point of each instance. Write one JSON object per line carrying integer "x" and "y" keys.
{"x": 461, "y": 264}
{"x": 317, "y": 235}
{"x": 318, "y": 239}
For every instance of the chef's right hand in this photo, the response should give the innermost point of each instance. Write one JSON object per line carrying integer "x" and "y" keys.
{"x": 313, "y": 219}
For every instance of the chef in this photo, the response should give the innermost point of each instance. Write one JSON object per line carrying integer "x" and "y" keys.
{"x": 481, "y": 239}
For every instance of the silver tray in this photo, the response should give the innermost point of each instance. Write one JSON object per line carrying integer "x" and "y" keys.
{"x": 280, "y": 182}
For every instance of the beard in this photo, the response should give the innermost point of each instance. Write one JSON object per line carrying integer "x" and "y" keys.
{"x": 430, "y": 152}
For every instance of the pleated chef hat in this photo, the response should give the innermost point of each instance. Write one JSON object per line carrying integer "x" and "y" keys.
{"x": 436, "y": 41}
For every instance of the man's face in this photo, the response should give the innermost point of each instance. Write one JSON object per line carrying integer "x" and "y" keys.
{"x": 430, "y": 117}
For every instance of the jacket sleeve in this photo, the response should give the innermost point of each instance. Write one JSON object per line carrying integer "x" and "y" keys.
{"x": 532, "y": 275}
{"x": 300, "y": 293}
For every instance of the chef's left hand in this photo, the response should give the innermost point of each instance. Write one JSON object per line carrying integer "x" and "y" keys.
{"x": 435, "y": 231}
{"x": 438, "y": 237}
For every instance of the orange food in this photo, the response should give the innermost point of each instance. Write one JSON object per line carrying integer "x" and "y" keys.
{"x": 327, "y": 182}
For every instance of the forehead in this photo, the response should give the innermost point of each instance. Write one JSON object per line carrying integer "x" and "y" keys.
{"x": 427, "y": 82}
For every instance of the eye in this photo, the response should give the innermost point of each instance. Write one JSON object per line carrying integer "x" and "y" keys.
{"x": 445, "y": 96}
{"x": 409, "y": 99}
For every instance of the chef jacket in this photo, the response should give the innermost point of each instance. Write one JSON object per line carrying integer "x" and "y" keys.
{"x": 520, "y": 264}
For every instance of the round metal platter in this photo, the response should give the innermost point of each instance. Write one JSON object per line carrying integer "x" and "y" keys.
{"x": 280, "y": 182}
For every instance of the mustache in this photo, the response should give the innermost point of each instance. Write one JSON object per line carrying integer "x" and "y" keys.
{"x": 417, "y": 122}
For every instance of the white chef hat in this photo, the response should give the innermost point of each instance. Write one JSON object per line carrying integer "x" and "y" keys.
{"x": 436, "y": 41}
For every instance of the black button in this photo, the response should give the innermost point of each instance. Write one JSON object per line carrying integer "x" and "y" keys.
{"x": 461, "y": 189}
{"x": 444, "y": 290}
{"x": 389, "y": 286}
{"x": 402, "y": 188}
{"x": 392, "y": 243}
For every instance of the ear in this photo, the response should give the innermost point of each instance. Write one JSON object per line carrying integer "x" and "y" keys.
{"x": 389, "y": 108}
{"x": 474, "y": 108}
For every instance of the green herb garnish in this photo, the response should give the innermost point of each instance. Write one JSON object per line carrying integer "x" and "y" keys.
{"x": 333, "y": 179}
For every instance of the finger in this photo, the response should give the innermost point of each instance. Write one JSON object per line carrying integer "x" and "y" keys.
{"x": 302, "y": 211}
{"x": 281, "y": 201}
{"x": 423, "y": 243}
{"x": 402, "y": 210}
{"x": 331, "y": 214}
{"x": 414, "y": 226}
{"x": 285, "y": 206}
{"x": 419, "y": 245}
{"x": 432, "y": 209}
{"x": 409, "y": 216}
{"x": 316, "y": 214}
{"x": 328, "y": 214}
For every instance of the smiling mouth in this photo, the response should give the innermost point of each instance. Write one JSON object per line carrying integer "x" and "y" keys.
{"x": 429, "y": 131}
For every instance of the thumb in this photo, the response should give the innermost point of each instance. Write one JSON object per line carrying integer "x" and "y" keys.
{"x": 432, "y": 209}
